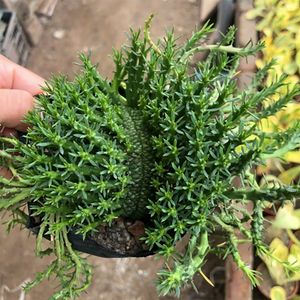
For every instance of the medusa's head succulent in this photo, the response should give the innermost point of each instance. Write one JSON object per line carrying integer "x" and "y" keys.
{"x": 154, "y": 144}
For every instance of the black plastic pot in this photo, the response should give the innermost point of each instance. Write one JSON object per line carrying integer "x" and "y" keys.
{"x": 87, "y": 245}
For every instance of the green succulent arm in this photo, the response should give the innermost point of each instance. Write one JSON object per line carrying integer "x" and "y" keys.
{"x": 243, "y": 52}
{"x": 270, "y": 194}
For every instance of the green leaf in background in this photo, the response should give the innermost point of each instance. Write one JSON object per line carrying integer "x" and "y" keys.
{"x": 278, "y": 293}
{"x": 297, "y": 59}
{"x": 291, "y": 69}
{"x": 287, "y": 217}
{"x": 293, "y": 156}
{"x": 256, "y": 12}
{"x": 289, "y": 175}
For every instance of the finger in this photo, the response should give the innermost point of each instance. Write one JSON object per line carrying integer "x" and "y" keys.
{"x": 5, "y": 173}
{"x": 8, "y": 132}
{"x": 13, "y": 76}
{"x": 14, "y": 104}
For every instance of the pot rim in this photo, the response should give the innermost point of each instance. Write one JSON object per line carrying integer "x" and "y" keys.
{"x": 296, "y": 285}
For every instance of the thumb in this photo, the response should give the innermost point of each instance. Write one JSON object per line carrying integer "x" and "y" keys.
{"x": 14, "y": 104}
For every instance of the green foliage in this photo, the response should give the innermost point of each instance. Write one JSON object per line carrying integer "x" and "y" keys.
{"x": 155, "y": 144}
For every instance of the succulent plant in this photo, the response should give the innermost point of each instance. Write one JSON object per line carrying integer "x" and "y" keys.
{"x": 156, "y": 144}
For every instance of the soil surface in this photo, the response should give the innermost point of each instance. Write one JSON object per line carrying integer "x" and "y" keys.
{"x": 84, "y": 25}
{"x": 122, "y": 236}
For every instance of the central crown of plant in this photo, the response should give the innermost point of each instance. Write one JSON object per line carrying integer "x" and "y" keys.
{"x": 154, "y": 144}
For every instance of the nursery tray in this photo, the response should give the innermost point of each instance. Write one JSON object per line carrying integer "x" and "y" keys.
{"x": 13, "y": 42}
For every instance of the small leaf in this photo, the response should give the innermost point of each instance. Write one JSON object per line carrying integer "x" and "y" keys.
{"x": 253, "y": 13}
{"x": 290, "y": 69}
{"x": 278, "y": 249}
{"x": 204, "y": 276}
{"x": 289, "y": 175}
{"x": 293, "y": 156}
{"x": 297, "y": 59}
{"x": 287, "y": 218}
{"x": 294, "y": 256}
{"x": 277, "y": 293}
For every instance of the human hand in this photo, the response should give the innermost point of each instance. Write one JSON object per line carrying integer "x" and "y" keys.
{"x": 17, "y": 88}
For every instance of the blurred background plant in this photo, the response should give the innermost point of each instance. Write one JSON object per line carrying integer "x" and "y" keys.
{"x": 279, "y": 293}
{"x": 277, "y": 283}
{"x": 278, "y": 26}
{"x": 283, "y": 253}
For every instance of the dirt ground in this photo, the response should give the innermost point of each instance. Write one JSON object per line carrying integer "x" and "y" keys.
{"x": 95, "y": 25}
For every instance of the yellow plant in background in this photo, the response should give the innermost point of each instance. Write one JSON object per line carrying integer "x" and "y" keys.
{"x": 280, "y": 122}
{"x": 283, "y": 120}
{"x": 279, "y": 27}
